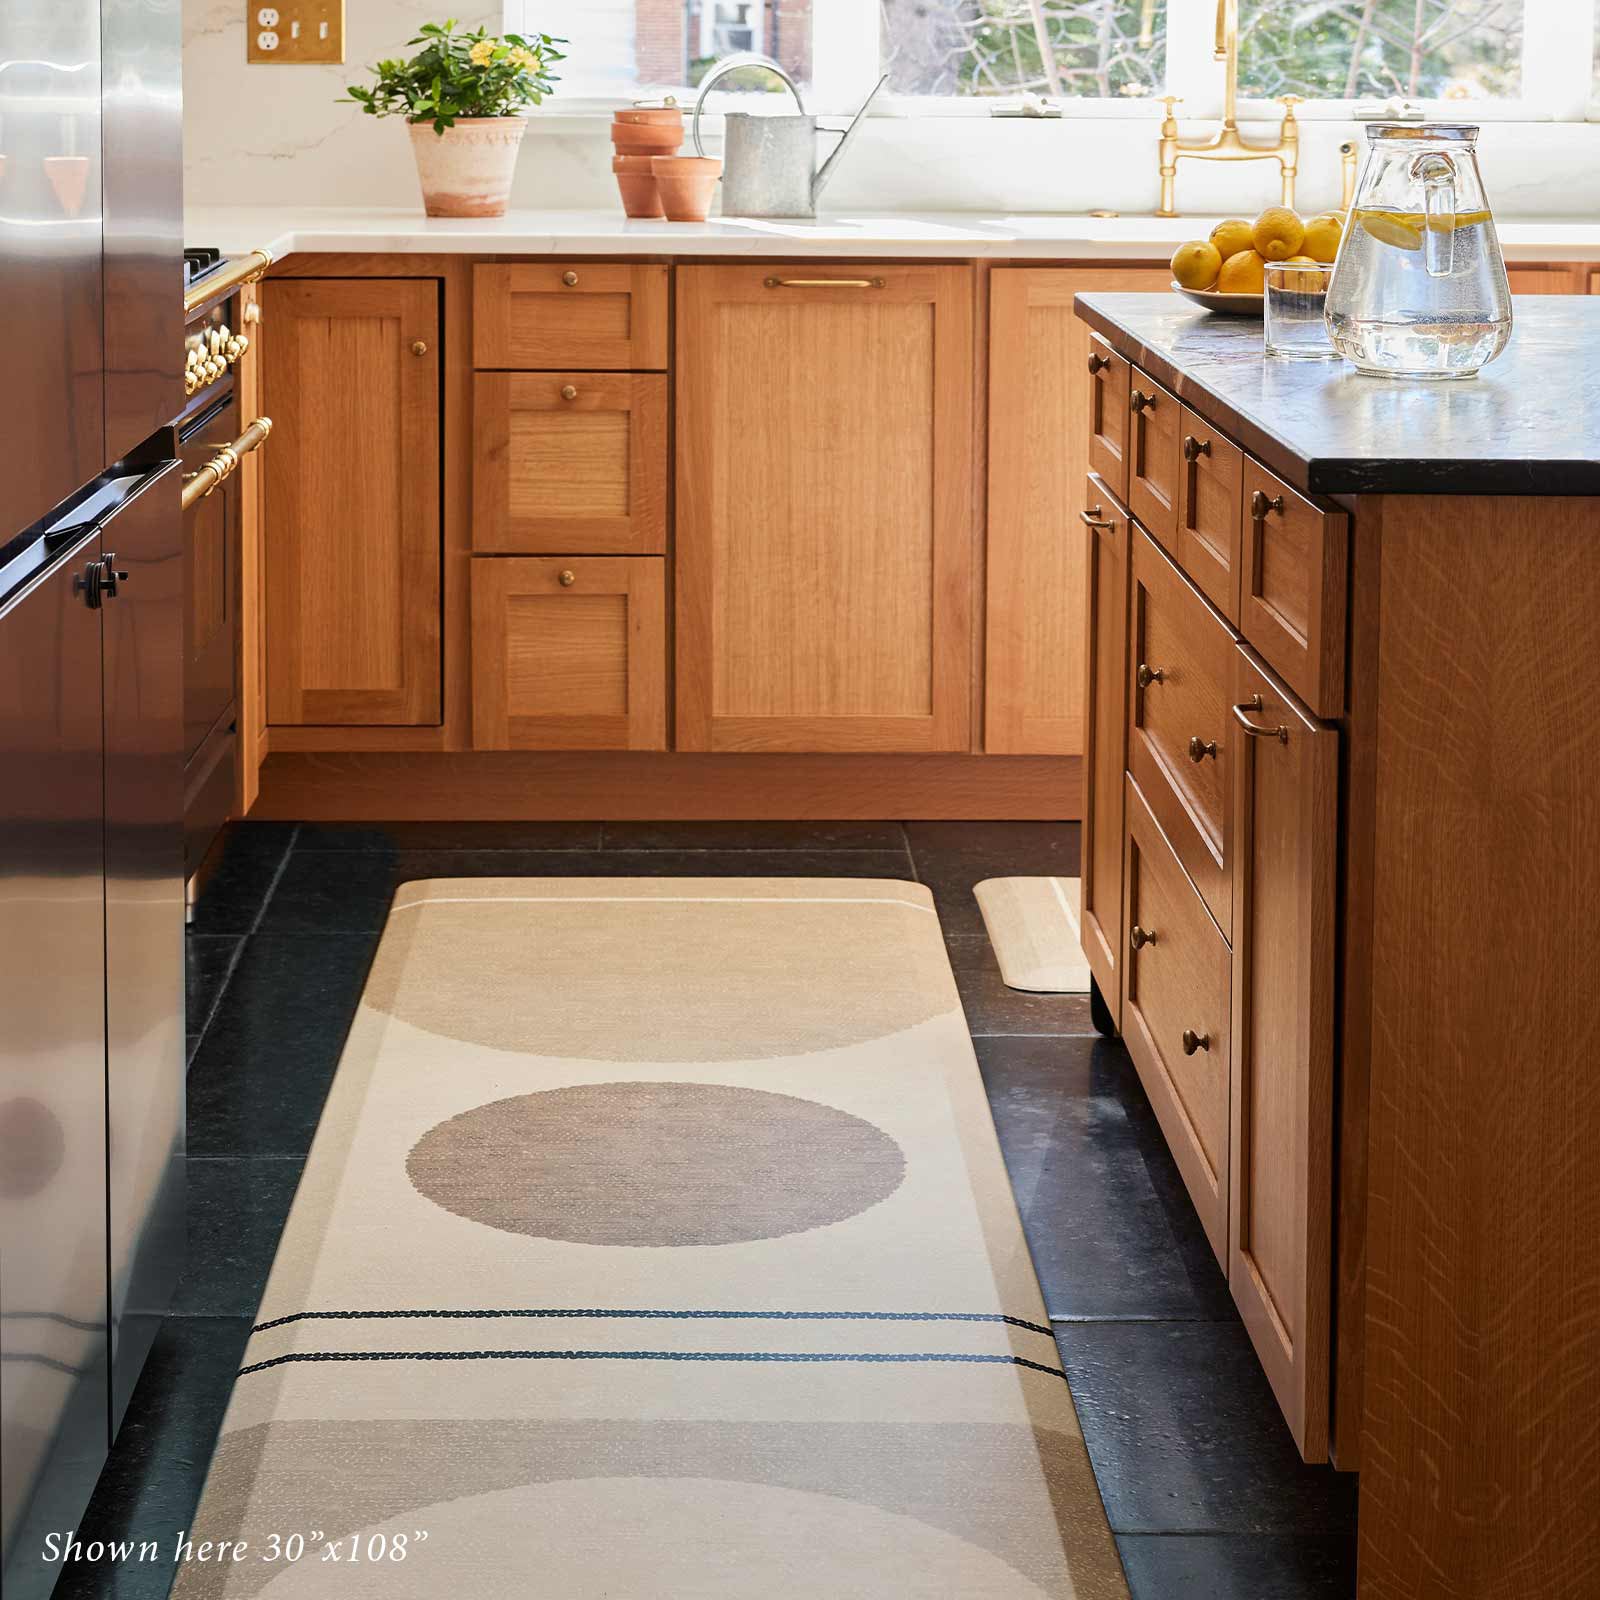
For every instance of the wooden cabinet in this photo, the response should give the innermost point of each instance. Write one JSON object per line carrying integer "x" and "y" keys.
{"x": 1210, "y": 490}
{"x": 1106, "y": 535}
{"x": 824, "y": 523}
{"x": 1280, "y": 1257}
{"x": 550, "y": 316}
{"x": 1048, "y": 378}
{"x": 570, "y": 462}
{"x": 351, "y": 501}
{"x": 568, "y": 653}
{"x": 1154, "y": 457}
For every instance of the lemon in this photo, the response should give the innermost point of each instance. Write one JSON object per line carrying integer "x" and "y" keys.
{"x": 1278, "y": 233}
{"x": 1307, "y": 282}
{"x": 1323, "y": 233}
{"x": 1401, "y": 229}
{"x": 1195, "y": 265}
{"x": 1232, "y": 236}
{"x": 1241, "y": 274}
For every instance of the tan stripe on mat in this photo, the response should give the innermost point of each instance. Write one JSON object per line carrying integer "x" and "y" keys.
{"x": 1033, "y": 926}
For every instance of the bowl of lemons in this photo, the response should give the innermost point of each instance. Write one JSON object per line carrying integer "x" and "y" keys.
{"x": 1224, "y": 273}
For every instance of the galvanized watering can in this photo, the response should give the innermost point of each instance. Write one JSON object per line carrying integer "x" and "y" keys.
{"x": 769, "y": 164}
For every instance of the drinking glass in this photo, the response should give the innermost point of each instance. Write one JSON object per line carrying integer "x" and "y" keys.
{"x": 1295, "y": 293}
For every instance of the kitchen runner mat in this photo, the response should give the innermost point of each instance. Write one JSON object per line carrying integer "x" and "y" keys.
{"x": 655, "y": 1243}
{"x": 1033, "y": 926}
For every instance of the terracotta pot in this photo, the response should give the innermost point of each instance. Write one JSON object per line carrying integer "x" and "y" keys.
{"x": 687, "y": 184}
{"x": 646, "y": 138}
{"x": 466, "y": 170}
{"x": 637, "y": 185}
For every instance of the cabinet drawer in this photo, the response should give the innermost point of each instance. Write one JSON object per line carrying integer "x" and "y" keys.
{"x": 1292, "y": 587}
{"x": 1175, "y": 1004}
{"x": 569, "y": 653}
{"x": 1154, "y": 456}
{"x": 606, "y": 317}
{"x": 1209, "y": 496}
{"x": 570, "y": 462}
{"x": 1180, "y": 664}
{"x": 1108, "y": 415}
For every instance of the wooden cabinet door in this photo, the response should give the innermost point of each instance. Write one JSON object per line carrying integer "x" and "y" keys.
{"x": 824, "y": 523}
{"x": 1053, "y": 414}
{"x": 569, "y": 653}
{"x": 1107, "y": 533}
{"x": 1154, "y": 458}
{"x": 569, "y": 462}
{"x": 351, "y": 547}
{"x": 1209, "y": 497}
{"x": 1280, "y": 1258}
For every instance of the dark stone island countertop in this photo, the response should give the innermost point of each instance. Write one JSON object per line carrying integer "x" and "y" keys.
{"x": 1529, "y": 423}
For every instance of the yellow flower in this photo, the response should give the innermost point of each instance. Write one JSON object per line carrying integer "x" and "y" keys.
{"x": 482, "y": 53}
{"x": 525, "y": 58}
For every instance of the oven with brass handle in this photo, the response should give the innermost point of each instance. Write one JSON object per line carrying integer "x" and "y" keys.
{"x": 197, "y": 485}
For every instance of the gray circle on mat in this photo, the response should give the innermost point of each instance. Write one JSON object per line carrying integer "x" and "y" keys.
{"x": 655, "y": 1164}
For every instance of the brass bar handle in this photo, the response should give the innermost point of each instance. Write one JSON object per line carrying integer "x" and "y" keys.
{"x": 1194, "y": 448}
{"x": 1193, "y": 1041}
{"x": 1093, "y": 519}
{"x": 1261, "y": 504}
{"x": 1140, "y": 937}
{"x": 245, "y": 270}
{"x": 826, "y": 283}
{"x": 1254, "y": 729}
{"x": 1200, "y": 748}
{"x": 1097, "y": 363}
{"x": 1145, "y": 676}
{"x": 1140, "y": 401}
{"x": 197, "y": 485}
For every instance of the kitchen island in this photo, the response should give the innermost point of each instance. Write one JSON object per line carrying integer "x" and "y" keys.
{"x": 1341, "y": 864}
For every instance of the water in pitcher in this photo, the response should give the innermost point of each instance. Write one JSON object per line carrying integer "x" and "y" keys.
{"x": 1406, "y": 320}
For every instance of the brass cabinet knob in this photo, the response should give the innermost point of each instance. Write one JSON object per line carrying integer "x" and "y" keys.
{"x": 569, "y": 391}
{"x": 1261, "y": 504}
{"x": 1098, "y": 362}
{"x": 567, "y": 578}
{"x": 1193, "y": 1041}
{"x": 1140, "y": 937}
{"x": 1140, "y": 401}
{"x": 1145, "y": 676}
{"x": 419, "y": 347}
{"x": 1200, "y": 748}
{"x": 570, "y": 279}
{"x": 1194, "y": 448}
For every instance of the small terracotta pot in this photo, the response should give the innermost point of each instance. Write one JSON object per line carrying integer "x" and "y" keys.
{"x": 646, "y": 138}
{"x": 466, "y": 170}
{"x": 637, "y": 184}
{"x": 687, "y": 184}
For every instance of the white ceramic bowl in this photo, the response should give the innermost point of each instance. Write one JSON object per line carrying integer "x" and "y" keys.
{"x": 1229, "y": 305}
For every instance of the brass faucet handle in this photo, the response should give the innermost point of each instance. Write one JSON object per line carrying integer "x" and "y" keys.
{"x": 1171, "y": 100}
{"x": 1290, "y": 101}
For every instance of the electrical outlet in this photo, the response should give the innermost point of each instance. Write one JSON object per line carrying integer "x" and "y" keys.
{"x": 295, "y": 32}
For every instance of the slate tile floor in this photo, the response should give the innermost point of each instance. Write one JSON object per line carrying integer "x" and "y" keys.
{"x": 1203, "y": 1487}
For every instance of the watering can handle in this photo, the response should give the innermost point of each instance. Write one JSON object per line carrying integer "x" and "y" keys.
{"x": 733, "y": 64}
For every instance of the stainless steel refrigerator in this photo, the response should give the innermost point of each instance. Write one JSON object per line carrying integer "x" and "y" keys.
{"x": 91, "y": 740}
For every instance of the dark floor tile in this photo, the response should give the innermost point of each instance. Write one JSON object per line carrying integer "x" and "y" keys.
{"x": 333, "y": 891}
{"x": 258, "y": 1080}
{"x": 1185, "y": 1435}
{"x": 152, "y": 1481}
{"x": 448, "y": 836}
{"x": 1105, "y": 1240}
{"x": 951, "y": 857}
{"x": 754, "y": 836}
{"x": 993, "y": 1006}
{"x": 207, "y": 958}
{"x": 237, "y": 887}
{"x": 1233, "y": 1566}
{"x": 237, "y": 1207}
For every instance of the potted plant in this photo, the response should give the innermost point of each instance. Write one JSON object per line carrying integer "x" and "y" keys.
{"x": 463, "y": 94}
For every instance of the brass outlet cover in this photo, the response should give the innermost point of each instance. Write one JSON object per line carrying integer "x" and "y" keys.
{"x": 294, "y": 33}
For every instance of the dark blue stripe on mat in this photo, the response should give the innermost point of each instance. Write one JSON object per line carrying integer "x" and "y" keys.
{"x": 647, "y": 1355}
{"x": 685, "y": 1316}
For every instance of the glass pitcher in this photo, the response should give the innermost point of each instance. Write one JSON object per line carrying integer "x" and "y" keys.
{"x": 1419, "y": 289}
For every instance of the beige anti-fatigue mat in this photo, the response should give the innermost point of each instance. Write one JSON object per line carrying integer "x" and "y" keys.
{"x": 1033, "y": 926}
{"x": 656, "y": 1245}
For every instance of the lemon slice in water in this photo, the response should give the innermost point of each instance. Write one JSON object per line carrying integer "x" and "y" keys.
{"x": 1404, "y": 229}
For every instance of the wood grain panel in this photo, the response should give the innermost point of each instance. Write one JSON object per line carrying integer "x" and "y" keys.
{"x": 824, "y": 527}
{"x": 1109, "y": 382}
{"x": 1286, "y": 839}
{"x": 1482, "y": 1439}
{"x": 1547, "y": 279}
{"x": 611, "y": 316}
{"x": 1154, "y": 461}
{"x": 352, "y": 501}
{"x": 1048, "y": 418}
{"x": 1210, "y": 490}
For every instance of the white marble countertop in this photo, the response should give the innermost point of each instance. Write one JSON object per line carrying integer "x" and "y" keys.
{"x": 283, "y": 231}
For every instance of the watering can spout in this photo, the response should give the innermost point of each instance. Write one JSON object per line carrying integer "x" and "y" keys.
{"x": 826, "y": 170}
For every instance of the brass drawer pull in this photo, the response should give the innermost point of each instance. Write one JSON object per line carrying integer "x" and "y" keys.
{"x": 825, "y": 283}
{"x": 1200, "y": 748}
{"x": 1098, "y": 362}
{"x": 1145, "y": 676}
{"x": 569, "y": 391}
{"x": 570, "y": 279}
{"x": 567, "y": 578}
{"x": 1260, "y": 505}
{"x": 197, "y": 485}
{"x": 1140, "y": 937}
{"x": 1194, "y": 448}
{"x": 1140, "y": 401}
{"x": 1254, "y": 729}
{"x": 1093, "y": 519}
{"x": 419, "y": 347}
{"x": 1193, "y": 1041}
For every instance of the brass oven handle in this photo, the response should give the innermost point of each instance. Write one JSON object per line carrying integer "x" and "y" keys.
{"x": 1194, "y": 448}
{"x": 197, "y": 485}
{"x": 245, "y": 270}
{"x": 1193, "y": 1041}
{"x": 1261, "y": 504}
{"x": 1093, "y": 519}
{"x": 1254, "y": 729}
{"x": 825, "y": 283}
